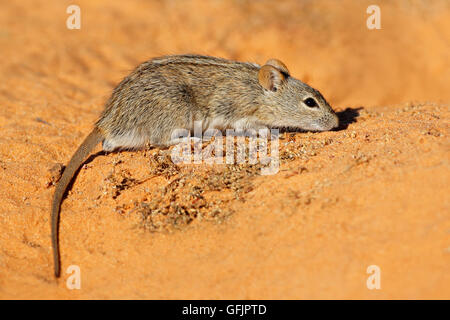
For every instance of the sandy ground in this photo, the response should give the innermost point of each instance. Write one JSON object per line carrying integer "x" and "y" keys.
{"x": 374, "y": 192}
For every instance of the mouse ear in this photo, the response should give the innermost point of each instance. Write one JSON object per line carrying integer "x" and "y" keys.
{"x": 270, "y": 78}
{"x": 279, "y": 65}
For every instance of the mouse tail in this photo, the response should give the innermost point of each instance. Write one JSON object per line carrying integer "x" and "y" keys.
{"x": 94, "y": 138}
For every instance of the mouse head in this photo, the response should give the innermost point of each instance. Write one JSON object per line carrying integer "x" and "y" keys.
{"x": 288, "y": 102}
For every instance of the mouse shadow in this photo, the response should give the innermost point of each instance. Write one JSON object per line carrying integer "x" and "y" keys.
{"x": 346, "y": 117}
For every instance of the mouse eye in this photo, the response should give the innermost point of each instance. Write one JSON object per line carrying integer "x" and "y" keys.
{"x": 310, "y": 102}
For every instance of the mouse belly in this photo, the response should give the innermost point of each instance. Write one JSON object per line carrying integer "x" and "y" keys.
{"x": 134, "y": 140}
{"x": 126, "y": 140}
{"x": 138, "y": 139}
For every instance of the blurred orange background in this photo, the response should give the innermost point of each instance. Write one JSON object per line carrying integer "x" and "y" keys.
{"x": 392, "y": 210}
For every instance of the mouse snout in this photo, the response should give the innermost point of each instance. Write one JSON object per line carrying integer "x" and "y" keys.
{"x": 327, "y": 122}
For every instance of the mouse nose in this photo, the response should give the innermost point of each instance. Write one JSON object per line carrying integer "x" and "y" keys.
{"x": 331, "y": 122}
{"x": 335, "y": 121}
